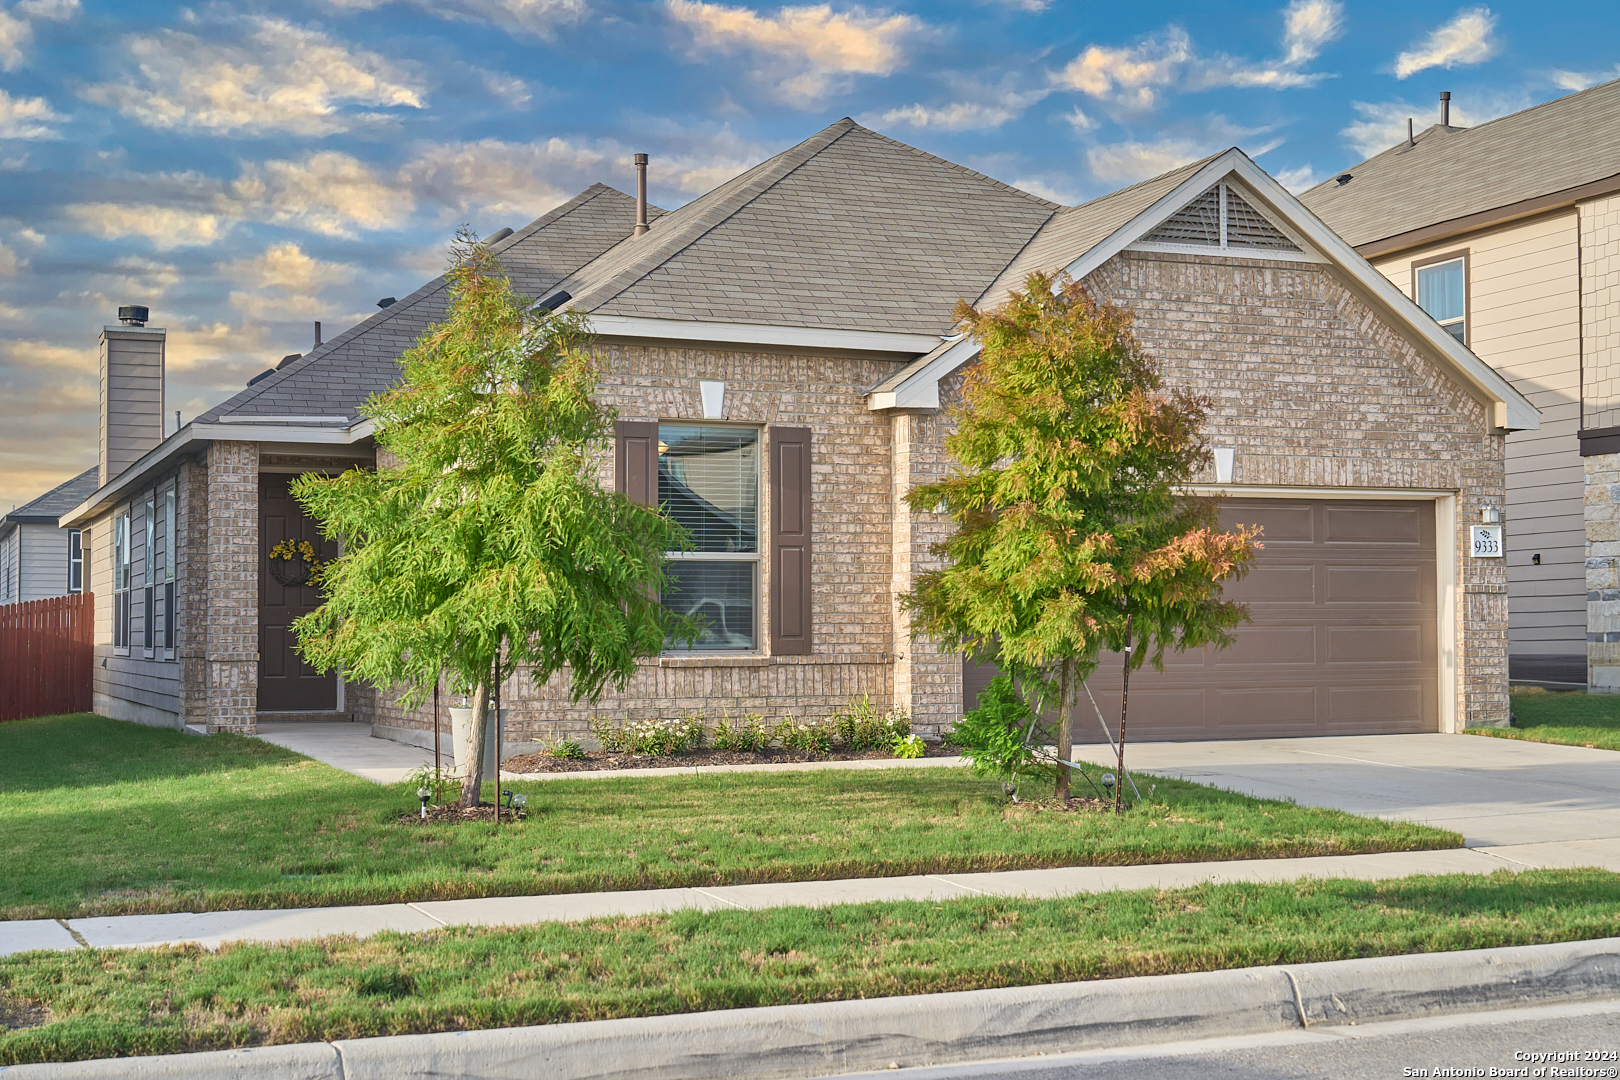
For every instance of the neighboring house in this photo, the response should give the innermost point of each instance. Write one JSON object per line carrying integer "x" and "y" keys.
{"x": 38, "y": 559}
{"x": 1509, "y": 235}
{"x": 781, "y": 353}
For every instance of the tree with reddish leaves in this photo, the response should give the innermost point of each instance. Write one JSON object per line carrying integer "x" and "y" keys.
{"x": 1075, "y": 532}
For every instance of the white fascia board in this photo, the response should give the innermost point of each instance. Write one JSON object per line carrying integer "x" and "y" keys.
{"x": 761, "y": 334}
{"x": 287, "y": 433}
{"x": 921, "y": 390}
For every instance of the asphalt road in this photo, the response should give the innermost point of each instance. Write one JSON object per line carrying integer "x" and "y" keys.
{"x": 1476, "y": 1041}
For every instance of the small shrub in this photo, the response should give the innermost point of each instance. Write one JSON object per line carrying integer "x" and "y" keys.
{"x": 439, "y": 783}
{"x": 994, "y": 735}
{"x": 745, "y": 736}
{"x": 811, "y": 738}
{"x": 909, "y": 746}
{"x": 655, "y": 737}
{"x": 566, "y": 750}
{"x": 861, "y": 727}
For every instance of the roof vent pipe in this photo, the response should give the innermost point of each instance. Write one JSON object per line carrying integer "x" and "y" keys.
{"x": 641, "y": 194}
{"x": 1445, "y": 108}
{"x": 317, "y": 334}
{"x": 1411, "y": 139}
{"x": 496, "y": 237}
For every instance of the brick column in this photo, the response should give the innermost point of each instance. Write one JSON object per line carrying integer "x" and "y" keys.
{"x": 927, "y": 682}
{"x": 1602, "y": 573}
{"x": 191, "y": 590}
{"x": 231, "y": 621}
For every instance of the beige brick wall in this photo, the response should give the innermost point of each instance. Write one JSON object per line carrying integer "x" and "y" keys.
{"x": 230, "y": 606}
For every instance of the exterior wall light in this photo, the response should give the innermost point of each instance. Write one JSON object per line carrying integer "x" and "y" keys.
{"x": 1490, "y": 515}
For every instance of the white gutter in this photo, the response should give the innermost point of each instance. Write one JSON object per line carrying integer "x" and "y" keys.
{"x": 762, "y": 334}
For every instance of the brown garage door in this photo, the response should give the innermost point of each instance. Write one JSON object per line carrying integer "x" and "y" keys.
{"x": 1343, "y": 639}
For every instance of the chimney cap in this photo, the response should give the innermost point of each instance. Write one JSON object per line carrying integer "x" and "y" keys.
{"x": 133, "y": 315}
{"x": 641, "y": 159}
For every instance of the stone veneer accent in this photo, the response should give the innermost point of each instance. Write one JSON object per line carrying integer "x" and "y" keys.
{"x": 229, "y": 653}
{"x": 1603, "y": 573}
{"x": 1600, "y": 408}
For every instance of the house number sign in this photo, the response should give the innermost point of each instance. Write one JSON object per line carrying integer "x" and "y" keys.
{"x": 1487, "y": 541}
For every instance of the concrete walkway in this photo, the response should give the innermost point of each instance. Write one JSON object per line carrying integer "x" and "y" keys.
{"x": 211, "y": 929}
{"x": 1531, "y": 804}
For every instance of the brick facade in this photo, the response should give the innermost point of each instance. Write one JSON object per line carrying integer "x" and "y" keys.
{"x": 229, "y": 651}
{"x": 1600, "y": 408}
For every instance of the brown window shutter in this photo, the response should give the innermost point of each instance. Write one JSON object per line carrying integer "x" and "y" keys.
{"x": 635, "y": 461}
{"x": 790, "y": 541}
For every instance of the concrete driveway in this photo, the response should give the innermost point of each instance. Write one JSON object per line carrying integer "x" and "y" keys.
{"x": 1530, "y": 804}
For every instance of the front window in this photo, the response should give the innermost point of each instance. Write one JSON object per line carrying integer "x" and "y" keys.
{"x": 149, "y": 577}
{"x": 708, "y": 481}
{"x": 170, "y": 558}
{"x": 75, "y": 567}
{"x": 1442, "y": 291}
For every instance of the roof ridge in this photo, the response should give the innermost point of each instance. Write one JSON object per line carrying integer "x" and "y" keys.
{"x": 646, "y": 258}
{"x": 959, "y": 167}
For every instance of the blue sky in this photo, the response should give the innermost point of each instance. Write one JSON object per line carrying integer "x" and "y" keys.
{"x": 247, "y": 168}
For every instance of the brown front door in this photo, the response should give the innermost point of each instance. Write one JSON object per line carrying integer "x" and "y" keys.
{"x": 286, "y": 683}
{"x": 1343, "y": 638}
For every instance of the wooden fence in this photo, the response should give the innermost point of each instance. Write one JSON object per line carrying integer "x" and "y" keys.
{"x": 45, "y": 656}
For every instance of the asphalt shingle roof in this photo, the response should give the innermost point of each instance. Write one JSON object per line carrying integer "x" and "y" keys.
{"x": 334, "y": 379}
{"x": 847, "y": 230}
{"x": 1454, "y": 172}
{"x": 57, "y": 501}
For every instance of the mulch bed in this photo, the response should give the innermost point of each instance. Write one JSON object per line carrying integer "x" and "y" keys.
{"x": 599, "y": 760}
{"x": 453, "y": 814}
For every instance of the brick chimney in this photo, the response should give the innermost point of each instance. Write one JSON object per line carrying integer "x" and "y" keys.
{"x": 131, "y": 390}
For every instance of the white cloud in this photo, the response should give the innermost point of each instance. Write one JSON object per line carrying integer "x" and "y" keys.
{"x": 1580, "y": 80}
{"x": 1079, "y": 121}
{"x": 52, "y": 10}
{"x": 166, "y": 227}
{"x": 9, "y": 263}
{"x": 1297, "y": 179}
{"x": 283, "y": 77}
{"x": 284, "y": 283}
{"x": 15, "y": 36}
{"x": 507, "y": 88}
{"x": 26, "y": 118}
{"x": 52, "y": 357}
{"x": 1379, "y": 126}
{"x": 133, "y": 276}
{"x": 1128, "y": 162}
{"x": 1466, "y": 39}
{"x": 1033, "y": 6}
{"x": 809, "y": 52}
{"x": 1054, "y": 192}
{"x": 1133, "y": 76}
{"x": 329, "y": 192}
{"x": 985, "y": 107}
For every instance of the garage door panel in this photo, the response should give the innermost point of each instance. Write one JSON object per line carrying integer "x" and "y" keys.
{"x": 1376, "y": 585}
{"x": 1348, "y": 523}
{"x": 1270, "y": 645}
{"x": 1343, "y": 637}
{"x": 1274, "y": 585}
{"x": 1283, "y": 523}
{"x": 1400, "y": 708}
{"x": 1377, "y": 644}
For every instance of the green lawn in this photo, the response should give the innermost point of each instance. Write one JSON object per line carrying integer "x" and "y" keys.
{"x": 1573, "y": 719}
{"x": 101, "y": 1003}
{"x": 102, "y": 817}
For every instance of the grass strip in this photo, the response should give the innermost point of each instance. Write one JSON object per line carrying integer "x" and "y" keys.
{"x": 99, "y": 817}
{"x": 1570, "y": 719}
{"x": 104, "y": 1003}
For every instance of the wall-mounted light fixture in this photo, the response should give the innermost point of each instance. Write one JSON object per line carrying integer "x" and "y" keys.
{"x": 1224, "y": 456}
{"x": 1490, "y": 515}
{"x": 714, "y": 399}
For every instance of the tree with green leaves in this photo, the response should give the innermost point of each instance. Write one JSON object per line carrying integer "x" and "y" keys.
{"x": 484, "y": 541}
{"x": 1074, "y": 532}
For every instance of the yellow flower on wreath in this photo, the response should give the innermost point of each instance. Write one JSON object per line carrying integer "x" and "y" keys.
{"x": 299, "y": 549}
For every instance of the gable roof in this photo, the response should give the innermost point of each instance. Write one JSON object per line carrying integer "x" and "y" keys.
{"x": 335, "y": 378}
{"x": 848, "y": 230}
{"x": 55, "y": 502}
{"x": 917, "y": 384}
{"x": 1454, "y": 174}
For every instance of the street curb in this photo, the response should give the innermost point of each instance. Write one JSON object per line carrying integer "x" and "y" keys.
{"x": 786, "y": 1041}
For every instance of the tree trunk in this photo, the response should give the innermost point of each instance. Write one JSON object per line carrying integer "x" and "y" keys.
{"x": 472, "y": 769}
{"x": 1124, "y": 700}
{"x": 1065, "y": 738}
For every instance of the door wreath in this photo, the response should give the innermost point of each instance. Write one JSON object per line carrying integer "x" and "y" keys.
{"x": 293, "y": 563}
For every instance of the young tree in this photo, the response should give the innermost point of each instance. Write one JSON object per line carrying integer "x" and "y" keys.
{"x": 1073, "y": 530}
{"x": 487, "y": 537}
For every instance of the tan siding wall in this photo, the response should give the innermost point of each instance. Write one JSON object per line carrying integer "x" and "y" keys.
{"x": 42, "y": 561}
{"x": 1524, "y": 318}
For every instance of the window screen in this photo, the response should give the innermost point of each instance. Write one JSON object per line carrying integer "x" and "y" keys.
{"x": 1443, "y": 292}
{"x": 708, "y": 482}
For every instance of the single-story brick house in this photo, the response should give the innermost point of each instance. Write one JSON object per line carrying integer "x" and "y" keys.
{"x": 781, "y": 352}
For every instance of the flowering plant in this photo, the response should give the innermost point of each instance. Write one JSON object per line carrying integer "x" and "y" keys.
{"x": 293, "y": 562}
{"x": 657, "y": 737}
{"x": 814, "y": 738}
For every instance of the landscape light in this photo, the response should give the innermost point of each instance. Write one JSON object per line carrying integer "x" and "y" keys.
{"x": 424, "y": 793}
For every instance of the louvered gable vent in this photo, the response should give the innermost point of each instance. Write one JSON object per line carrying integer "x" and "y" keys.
{"x": 1221, "y": 218}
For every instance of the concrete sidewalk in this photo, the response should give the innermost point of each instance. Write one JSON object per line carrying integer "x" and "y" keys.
{"x": 214, "y": 928}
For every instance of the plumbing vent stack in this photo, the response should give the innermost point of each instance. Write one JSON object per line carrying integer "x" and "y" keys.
{"x": 641, "y": 194}
{"x": 1445, "y": 108}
